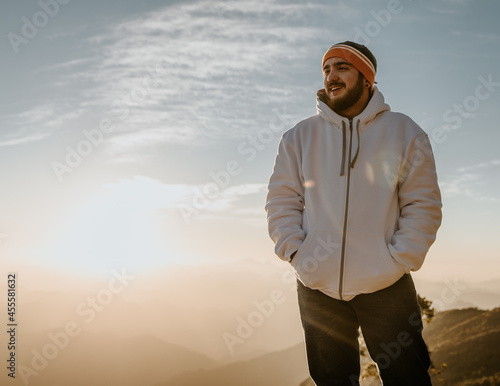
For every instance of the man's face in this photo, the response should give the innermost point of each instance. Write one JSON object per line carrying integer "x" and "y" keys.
{"x": 343, "y": 84}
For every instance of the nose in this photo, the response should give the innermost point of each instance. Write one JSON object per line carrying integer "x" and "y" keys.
{"x": 332, "y": 76}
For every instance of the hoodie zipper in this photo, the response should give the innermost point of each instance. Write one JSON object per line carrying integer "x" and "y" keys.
{"x": 344, "y": 232}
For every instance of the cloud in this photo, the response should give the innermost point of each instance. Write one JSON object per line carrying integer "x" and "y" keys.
{"x": 244, "y": 190}
{"x": 66, "y": 65}
{"x": 452, "y": 186}
{"x": 188, "y": 73}
{"x": 191, "y": 73}
{"x": 457, "y": 2}
{"x": 249, "y": 212}
{"x": 143, "y": 196}
{"x": 24, "y": 139}
{"x": 484, "y": 37}
{"x": 126, "y": 143}
{"x": 152, "y": 194}
{"x": 37, "y": 123}
{"x": 146, "y": 193}
{"x": 233, "y": 198}
{"x": 490, "y": 165}
{"x": 472, "y": 181}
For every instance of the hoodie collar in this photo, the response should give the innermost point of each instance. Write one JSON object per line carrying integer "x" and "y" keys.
{"x": 375, "y": 106}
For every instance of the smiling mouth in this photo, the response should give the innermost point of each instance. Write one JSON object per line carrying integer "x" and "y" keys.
{"x": 334, "y": 89}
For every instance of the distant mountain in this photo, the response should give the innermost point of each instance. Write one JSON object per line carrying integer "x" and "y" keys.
{"x": 103, "y": 360}
{"x": 465, "y": 347}
{"x": 167, "y": 324}
{"x": 283, "y": 368}
{"x": 453, "y": 294}
{"x": 192, "y": 307}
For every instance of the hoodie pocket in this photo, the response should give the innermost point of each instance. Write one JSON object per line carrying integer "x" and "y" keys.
{"x": 369, "y": 266}
{"x": 316, "y": 263}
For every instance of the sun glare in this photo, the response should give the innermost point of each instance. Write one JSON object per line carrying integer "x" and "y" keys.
{"x": 120, "y": 225}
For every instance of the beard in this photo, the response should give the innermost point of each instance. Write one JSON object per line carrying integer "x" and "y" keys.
{"x": 352, "y": 95}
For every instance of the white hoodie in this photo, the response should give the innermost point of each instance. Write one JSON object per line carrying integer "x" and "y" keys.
{"x": 358, "y": 200}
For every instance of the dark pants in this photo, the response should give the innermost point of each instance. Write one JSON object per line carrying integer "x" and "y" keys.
{"x": 391, "y": 322}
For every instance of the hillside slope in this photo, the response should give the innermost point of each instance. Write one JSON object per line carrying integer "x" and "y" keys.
{"x": 282, "y": 368}
{"x": 465, "y": 346}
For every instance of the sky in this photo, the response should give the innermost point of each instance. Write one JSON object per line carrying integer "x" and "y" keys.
{"x": 143, "y": 134}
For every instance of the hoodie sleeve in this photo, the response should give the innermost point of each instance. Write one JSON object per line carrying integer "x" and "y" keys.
{"x": 420, "y": 206}
{"x": 285, "y": 200}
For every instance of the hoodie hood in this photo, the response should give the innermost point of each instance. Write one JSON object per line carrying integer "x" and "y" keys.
{"x": 375, "y": 106}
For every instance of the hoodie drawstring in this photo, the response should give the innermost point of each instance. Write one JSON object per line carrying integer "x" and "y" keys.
{"x": 353, "y": 161}
{"x": 343, "y": 148}
{"x": 357, "y": 147}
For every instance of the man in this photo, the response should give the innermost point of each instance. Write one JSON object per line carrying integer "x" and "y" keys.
{"x": 353, "y": 204}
